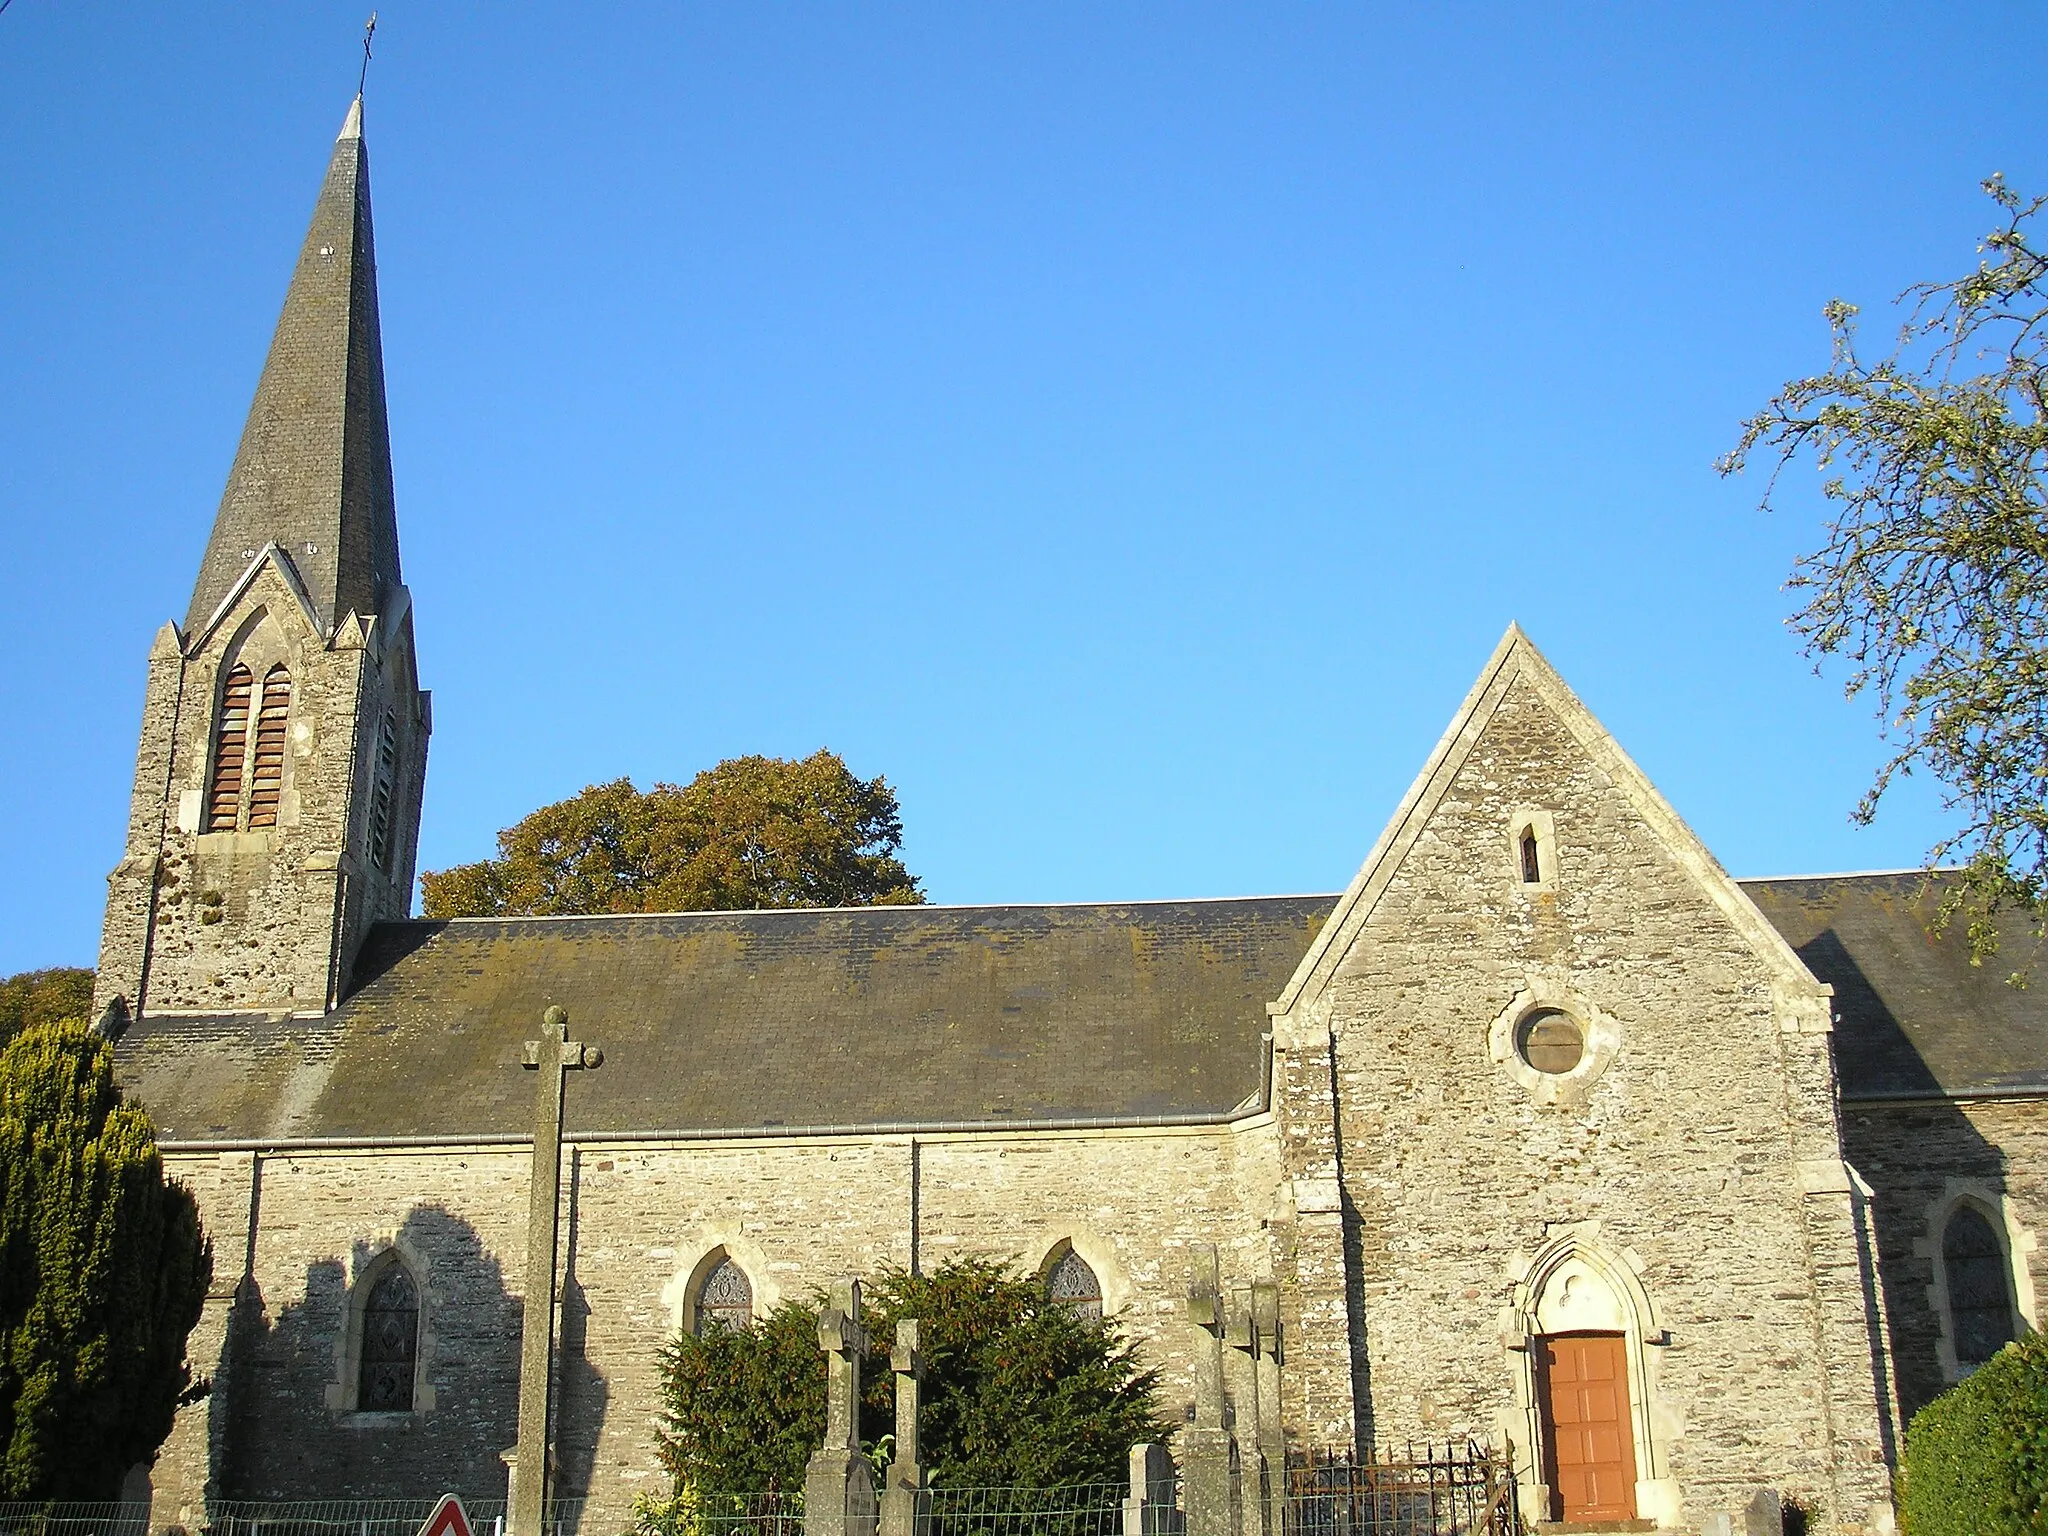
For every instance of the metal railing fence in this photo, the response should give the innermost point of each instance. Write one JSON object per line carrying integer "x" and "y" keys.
{"x": 1433, "y": 1490}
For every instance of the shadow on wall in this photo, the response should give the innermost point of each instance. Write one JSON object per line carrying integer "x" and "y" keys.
{"x": 284, "y": 1438}
{"x": 1914, "y": 1157}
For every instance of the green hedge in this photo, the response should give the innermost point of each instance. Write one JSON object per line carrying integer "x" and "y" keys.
{"x": 1977, "y": 1456}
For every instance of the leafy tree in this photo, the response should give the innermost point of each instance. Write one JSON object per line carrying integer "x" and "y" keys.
{"x": 1019, "y": 1391}
{"x": 752, "y": 832}
{"x": 1976, "y": 1459}
{"x": 44, "y": 997}
{"x": 103, "y": 1271}
{"x": 1933, "y": 582}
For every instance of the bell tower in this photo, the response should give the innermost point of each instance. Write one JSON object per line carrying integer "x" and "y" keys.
{"x": 284, "y": 732}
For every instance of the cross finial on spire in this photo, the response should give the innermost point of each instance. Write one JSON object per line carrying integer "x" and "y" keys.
{"x": 369, "y": 31}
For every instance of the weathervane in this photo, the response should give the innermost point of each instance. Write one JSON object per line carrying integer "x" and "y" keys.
{"x": 369, "y": 31}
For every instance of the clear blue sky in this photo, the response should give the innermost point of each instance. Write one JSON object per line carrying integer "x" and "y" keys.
{"x": 1128, "y": 428}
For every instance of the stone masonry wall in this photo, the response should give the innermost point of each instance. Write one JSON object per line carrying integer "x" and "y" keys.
{"x": 639, "y": 1221}
{"x": 1919, "y": 1159}
{"x": 200, "y": 920}
{"x": 1684, "y": 1164}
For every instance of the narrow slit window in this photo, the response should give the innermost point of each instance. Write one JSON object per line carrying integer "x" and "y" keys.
{"x": 266, "y": 783}
{"x": 1532, "y": 863}
{"x": 1072, "y": 1282}
{"x": 380, "y": 801}
{"x": 391, "y": 1344}
{"x": 230, "y": 750}
{"x": 1980, "y": 1307}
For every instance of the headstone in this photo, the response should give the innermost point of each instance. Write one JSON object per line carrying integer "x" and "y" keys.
{"x": 905, "y": 1499}
{"x": 1149, "y": 1508}
{"x": 1764, "y": 1515}
{"x": 839, "y": 1488}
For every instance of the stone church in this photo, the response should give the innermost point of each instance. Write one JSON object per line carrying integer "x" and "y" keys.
{"x": 1544, "y": 1132}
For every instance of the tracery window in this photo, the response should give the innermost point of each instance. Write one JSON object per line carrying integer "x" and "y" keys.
{"x": 1979, "y": 1280}
{"x": 725, "y": 1299}
{"x": 230, "y": 750}
{"x": 266, "y": 783}
{"x": 390, "y": 1344}
{"x": 1070, "y": 1280}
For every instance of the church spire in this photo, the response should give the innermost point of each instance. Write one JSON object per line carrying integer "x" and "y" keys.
{"x": 313, "y": 472}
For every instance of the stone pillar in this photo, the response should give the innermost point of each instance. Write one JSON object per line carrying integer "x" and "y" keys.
{"x": 839, "y": 1489}
{"x": 1271, "y": 1435}
{"x": 1149, "y": 1511}
{"x": 1241, "y": 1390}
{"x": 904, "y": 1497}
{"x": 1209, "y": 1471}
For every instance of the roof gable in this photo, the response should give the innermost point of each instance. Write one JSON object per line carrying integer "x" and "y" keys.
{"x": 1516, "y": 660}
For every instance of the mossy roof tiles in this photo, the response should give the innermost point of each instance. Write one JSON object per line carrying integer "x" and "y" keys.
{"x": 749, "y": 1020}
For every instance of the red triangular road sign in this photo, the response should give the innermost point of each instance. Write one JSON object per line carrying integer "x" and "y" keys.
{"x": 448, "y": 1519}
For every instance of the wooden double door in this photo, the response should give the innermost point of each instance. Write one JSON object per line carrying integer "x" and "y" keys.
{"x": 1589, "y": 1443}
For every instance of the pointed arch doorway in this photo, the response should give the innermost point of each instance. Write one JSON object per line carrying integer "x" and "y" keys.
{"x": 1588, "y": 1429}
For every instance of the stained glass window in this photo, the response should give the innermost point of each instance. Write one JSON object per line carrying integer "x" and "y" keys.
{"x": 1073, "y": 1282}
{"x": 1979, "y": 1287}
{"x": 726, "y": 1299}
{"x": 391, "y": 1344}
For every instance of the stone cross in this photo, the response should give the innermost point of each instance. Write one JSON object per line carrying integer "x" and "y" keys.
{"x": 839, "y": 1486}
{"x": 552, "y": 1056}
{"x": 905, "y": 1504}
{"x": 845, "y": 1341}
{"x": 908, "y": 1365}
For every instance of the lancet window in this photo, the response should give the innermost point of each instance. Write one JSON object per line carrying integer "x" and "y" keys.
{"x": 266, "y": 783}
{"x": 1979, "y": 1277}
{"x": 1071, "y": 1281}
{"x": 725, "y": 1299}
{"x": 390, "y": 1344}
{"x": 380, "y": 795}
{"x": 230, "y": 752}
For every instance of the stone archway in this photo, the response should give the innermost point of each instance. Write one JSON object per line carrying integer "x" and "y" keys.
{"x": 1575, "y": 1288}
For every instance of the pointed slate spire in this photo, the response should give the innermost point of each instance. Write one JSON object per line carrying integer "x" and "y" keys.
{"x": 313, "y": 473}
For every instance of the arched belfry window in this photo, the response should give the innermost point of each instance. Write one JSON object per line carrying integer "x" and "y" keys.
{"x": 1979, "y": 1283}
{"x": 1071, "y": 1281}
{"x": 725, "y": 1299}
{"x": 381, "y": 820}
{"x": 266, "y": 782}
{"x": 230, "y": 751}
{"x": 391, "y": 1344}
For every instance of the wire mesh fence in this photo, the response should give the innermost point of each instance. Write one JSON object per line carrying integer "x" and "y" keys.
{"x": 1447, "y": 1490}
{"x": 1085, "y": 1509}
{"x": 74, "y": 1519}
{"x": 368, "y": 1517}
{"x": 749, "y": 1514}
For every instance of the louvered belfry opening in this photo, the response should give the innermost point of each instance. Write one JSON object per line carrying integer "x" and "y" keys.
{"x": 266, "y": 784}
{"x": 380, "y": 802}
{"x": 230, "y": 748}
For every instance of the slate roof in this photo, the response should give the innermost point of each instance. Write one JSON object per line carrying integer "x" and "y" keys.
{"x": 1913, "y": 1016}
{"x": 752, "y": 1020}
{"x": 313, "y": 472}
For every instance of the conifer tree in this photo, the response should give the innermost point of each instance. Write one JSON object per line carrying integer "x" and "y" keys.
{"x": 103, "y": 1271}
